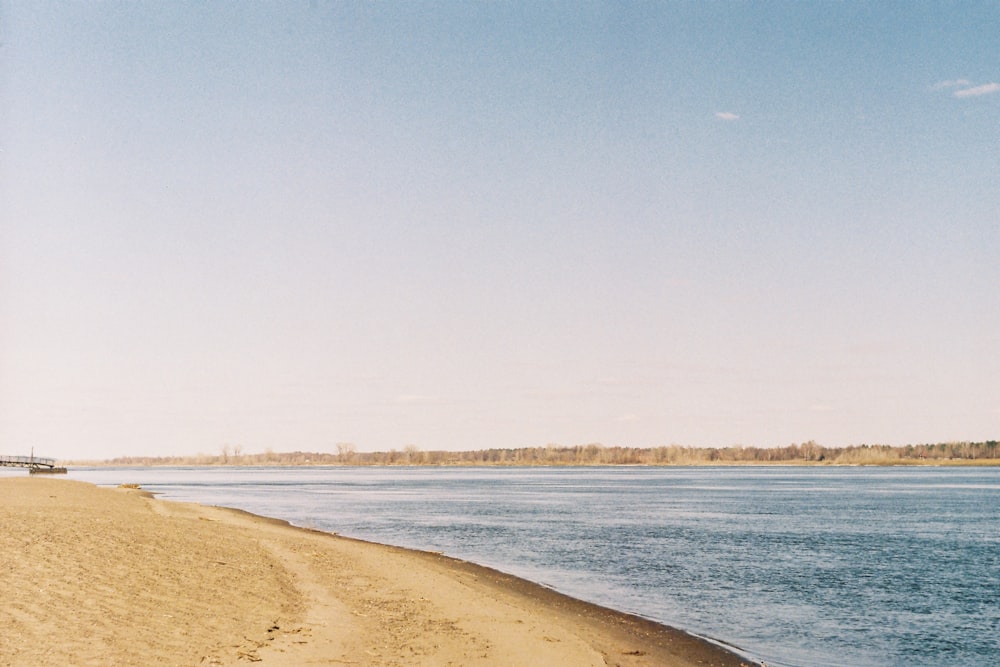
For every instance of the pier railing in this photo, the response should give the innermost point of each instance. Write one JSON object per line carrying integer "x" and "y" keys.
{"x": 26, "y": 461}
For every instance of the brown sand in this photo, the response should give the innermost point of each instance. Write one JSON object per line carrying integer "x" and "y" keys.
{"x": 92, "y": 576}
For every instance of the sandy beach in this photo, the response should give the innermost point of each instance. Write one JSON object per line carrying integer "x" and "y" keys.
{"x": 97, "y": 576}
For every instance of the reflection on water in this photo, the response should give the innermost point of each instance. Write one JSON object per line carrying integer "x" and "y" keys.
{"x": 799, "y": 566}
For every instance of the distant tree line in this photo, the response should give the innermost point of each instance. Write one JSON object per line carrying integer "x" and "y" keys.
{"x": 974, "y": 453}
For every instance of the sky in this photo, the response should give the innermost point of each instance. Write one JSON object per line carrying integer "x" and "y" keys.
{"x": 456, "y": 225}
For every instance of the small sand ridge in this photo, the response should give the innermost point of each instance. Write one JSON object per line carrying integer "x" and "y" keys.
{"x": 93, "y": 576}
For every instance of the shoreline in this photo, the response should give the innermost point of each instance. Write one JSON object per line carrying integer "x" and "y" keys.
{"x": 124, "y": 577}
{"x": 961, "y": 453}
{"x": 945, "y": 463}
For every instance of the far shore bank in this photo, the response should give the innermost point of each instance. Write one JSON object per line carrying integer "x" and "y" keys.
{"x": 805, "y": 454}
{"x": 199, "y": 462}
{"x": 114, "y": 576}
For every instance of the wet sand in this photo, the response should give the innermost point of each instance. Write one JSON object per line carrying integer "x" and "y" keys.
{"x": 95, "y": 576}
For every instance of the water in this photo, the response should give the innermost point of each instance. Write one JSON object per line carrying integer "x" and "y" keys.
{"x": 825, "y": 567}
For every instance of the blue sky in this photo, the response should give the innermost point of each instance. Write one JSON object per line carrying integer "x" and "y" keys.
{"x": 468, "y": 225}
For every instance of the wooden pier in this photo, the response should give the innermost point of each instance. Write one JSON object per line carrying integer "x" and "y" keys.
{"x": 36, "y": 465}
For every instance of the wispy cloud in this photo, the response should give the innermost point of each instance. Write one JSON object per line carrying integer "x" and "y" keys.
{"x": 965, "y": 88}
{"x": 726, "y": 115}
{"x": 954, "y": 83}
{"x": 976, "y": 91}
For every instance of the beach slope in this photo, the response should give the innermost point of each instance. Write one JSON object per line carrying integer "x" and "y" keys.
{"x": 95, "y": 576}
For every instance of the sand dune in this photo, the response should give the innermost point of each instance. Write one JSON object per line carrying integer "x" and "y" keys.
{"x": 92, "y": 576}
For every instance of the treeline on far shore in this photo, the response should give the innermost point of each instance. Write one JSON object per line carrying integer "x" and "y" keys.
{"x": 807, "y": 453}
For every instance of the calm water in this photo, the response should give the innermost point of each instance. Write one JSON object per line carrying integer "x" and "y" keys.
{"x": 797, "y": 566}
